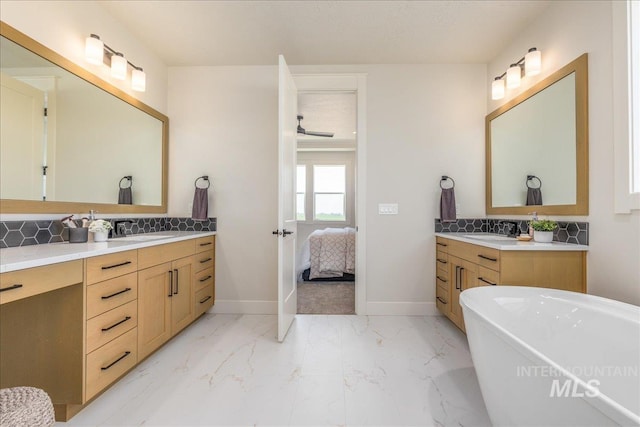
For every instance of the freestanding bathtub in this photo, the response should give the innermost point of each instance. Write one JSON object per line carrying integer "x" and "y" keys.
{"x": 547, "y": 357}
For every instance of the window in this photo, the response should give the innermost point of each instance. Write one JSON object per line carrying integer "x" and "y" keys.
{"x": 634, "y": 102}
{"x": 329, "y": 192}
{"x": 301, "y": 186}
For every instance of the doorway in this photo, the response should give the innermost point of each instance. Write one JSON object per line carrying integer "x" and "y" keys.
{"x": 330, "y": 188}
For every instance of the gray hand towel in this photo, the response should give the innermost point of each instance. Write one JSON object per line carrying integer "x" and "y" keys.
{"x": 200, "y": 204}
{"x": 534, "y": 196}
{"x": 448, "y": 205}
{"x": 125, "y": 197}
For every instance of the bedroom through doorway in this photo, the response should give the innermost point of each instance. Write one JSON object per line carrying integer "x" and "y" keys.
{"x": 326, "y": 202}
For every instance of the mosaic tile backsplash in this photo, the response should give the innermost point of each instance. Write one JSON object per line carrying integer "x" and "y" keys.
{"x": 24, "y": 233}
{"x": 567, "y": 232}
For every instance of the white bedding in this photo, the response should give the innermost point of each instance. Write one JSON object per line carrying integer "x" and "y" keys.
{"x": 329, "y": 253}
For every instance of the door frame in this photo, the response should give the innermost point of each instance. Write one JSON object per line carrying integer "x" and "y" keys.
{"x": 353, "y": 82}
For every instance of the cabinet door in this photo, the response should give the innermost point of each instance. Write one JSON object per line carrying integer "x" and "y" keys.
{"x": 182, "y": 309}
{"x": 455, "y": 310}
{"x": 154, "y": 308}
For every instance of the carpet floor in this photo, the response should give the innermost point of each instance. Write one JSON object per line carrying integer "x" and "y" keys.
{"x": 326, "y": 298}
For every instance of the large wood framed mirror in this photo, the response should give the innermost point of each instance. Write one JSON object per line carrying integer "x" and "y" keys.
{"x": 76, "y": 156}
{"x": 539, "y": 140}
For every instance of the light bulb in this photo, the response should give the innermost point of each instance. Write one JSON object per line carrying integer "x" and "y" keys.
{"x": 513, "y": 76}
{"x": 497, "y": 88}
{"x": 532, "y": 62}
{"x": 138, "y": 80}
{"x": 94, "y": 49}
{"x": 118, "y": 66}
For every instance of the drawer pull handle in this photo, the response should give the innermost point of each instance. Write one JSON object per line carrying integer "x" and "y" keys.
{"x": 116, "y": 324}
{"x": 205, "y": 299}
{"x": 457, "y": 278}
{"x": 170, "y": 284}
{"x": 9, "y": 288}
{"x": 441, "y": 261}
{"x": 205, "y": 244}
{"x": 107, "y": 267}
{"x": 488, "y": 258}
{"x": 442, "y": 244}
{"x": 117, "y": 293}
{"x": 441, "y": 279}
{"x": 204, "y": 279}
{"x": 126, "y": 353}
{"x": 441, "y": 300}
{"x": 206, "y": 260}
{"x": 176, "y": 271}
{"x": 486, "y": 281}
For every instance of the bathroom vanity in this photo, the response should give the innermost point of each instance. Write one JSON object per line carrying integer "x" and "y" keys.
{"x": 74, "y": 318}
{"x": 466, "y": 260}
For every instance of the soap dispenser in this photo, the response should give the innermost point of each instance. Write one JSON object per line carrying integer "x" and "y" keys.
{"x": 534, "y": 218}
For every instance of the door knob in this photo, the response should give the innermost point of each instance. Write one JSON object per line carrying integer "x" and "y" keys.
{"x": 286, "y": 232}
{"x": 277, "y": 232}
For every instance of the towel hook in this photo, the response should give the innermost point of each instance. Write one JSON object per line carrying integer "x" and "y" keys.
{"x": 205, "y": 178}
{"x": 128, "y": 178}
{"x": 445, "y": 178}
{"x": 532, "y": 177}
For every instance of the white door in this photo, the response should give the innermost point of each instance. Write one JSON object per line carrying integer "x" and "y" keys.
{"x": 287, "y": 226}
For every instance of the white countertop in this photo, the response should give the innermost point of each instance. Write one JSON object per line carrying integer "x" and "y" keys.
{"x": 22, "y": 257}
{"x": 510, "y": 243}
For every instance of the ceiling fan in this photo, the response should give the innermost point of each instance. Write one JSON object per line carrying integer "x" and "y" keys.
{"x": 303, "y": 131}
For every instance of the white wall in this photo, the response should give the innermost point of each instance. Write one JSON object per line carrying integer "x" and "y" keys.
{"x": 423, "y": 121}
{"x": 563, "y": 32}
{"x": 62, "y": 26}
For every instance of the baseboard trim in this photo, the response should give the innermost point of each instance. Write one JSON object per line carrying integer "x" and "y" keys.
{"x": 376, "y": 308}
{"x": 244, "y": 307}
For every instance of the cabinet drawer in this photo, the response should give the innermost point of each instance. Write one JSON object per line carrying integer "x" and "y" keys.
{"x": 104, "y": 296}
{"x": 16, "y": 285}
{"x": 203, "y": 278}
{"x": 205, "y": 243}
{"x": 442, "y": 244}
{"x": 154, "y": 255}
{"x": 105, "y": 267}
{"x": 203, "y": 261}
{"x": 488, "y": 257}
{"x": 442, "y": 263}
{"x": 110, "y": 325}
{"x": 109, "y": 362}
{"x": 442, "y": 279}
{"x": 487, "y": 277}
{"x": 442, "y": 298}
{"x": 204, "y": 300}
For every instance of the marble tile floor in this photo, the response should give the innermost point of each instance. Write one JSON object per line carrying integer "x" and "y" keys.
{"x": 229, "y": 370}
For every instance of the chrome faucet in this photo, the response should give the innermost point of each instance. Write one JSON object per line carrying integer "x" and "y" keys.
{"x": 92, "y": 215}
{"x": 513, "y": 228}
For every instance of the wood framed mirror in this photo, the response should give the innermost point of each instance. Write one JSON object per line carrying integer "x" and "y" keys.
{"x": 540, "y": 140}
{"x": 75, "y": 157}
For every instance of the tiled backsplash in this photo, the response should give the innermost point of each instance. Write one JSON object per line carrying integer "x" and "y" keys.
{"x": 567, "y": 232}
{"x": 24, "y": 233}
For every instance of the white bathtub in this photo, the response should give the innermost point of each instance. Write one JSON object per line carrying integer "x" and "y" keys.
{"x": 546, "y": 357}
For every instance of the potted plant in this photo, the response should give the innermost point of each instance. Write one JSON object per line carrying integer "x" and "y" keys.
{"x": 543, "y": 229}
{"x": 100, "y": 229}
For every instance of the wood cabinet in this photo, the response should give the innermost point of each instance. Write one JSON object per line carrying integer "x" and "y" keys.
{"x": 461, "y": 265}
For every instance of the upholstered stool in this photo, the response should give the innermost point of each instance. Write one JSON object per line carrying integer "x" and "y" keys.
{"x": 25, "y": 406}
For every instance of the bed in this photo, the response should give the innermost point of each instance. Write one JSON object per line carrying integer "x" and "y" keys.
{"x": 329, "y": 255}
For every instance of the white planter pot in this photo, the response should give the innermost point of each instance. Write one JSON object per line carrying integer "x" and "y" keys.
{"x": 100, "y": 236}
{"x": 543, "y": 236}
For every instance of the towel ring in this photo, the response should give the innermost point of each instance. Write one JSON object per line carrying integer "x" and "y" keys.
{"x": 445, "y": 178}
{"x": 128, "y": 178}
{"x": 532, "y": 177}
{"x": 205, "y": 178}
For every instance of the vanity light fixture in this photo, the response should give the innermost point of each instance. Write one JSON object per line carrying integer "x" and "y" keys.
{"x": 532, "y": 65}
{"x": 97, "y": 52}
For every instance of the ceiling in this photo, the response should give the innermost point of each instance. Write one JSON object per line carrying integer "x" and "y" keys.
{"x": 241, "y": 32}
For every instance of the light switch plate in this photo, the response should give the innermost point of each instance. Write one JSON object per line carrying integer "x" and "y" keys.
{"x": 387, "y": 209}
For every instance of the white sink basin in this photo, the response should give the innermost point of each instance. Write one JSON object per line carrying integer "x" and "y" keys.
{"x": 140, "y": 238}
{"x": 492, "y": 237}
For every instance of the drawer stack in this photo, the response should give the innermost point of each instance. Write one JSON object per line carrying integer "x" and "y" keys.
{"x": 112, "y": 319}
{"x": 204, "y": 274}
{"x": 442, "y": 275}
